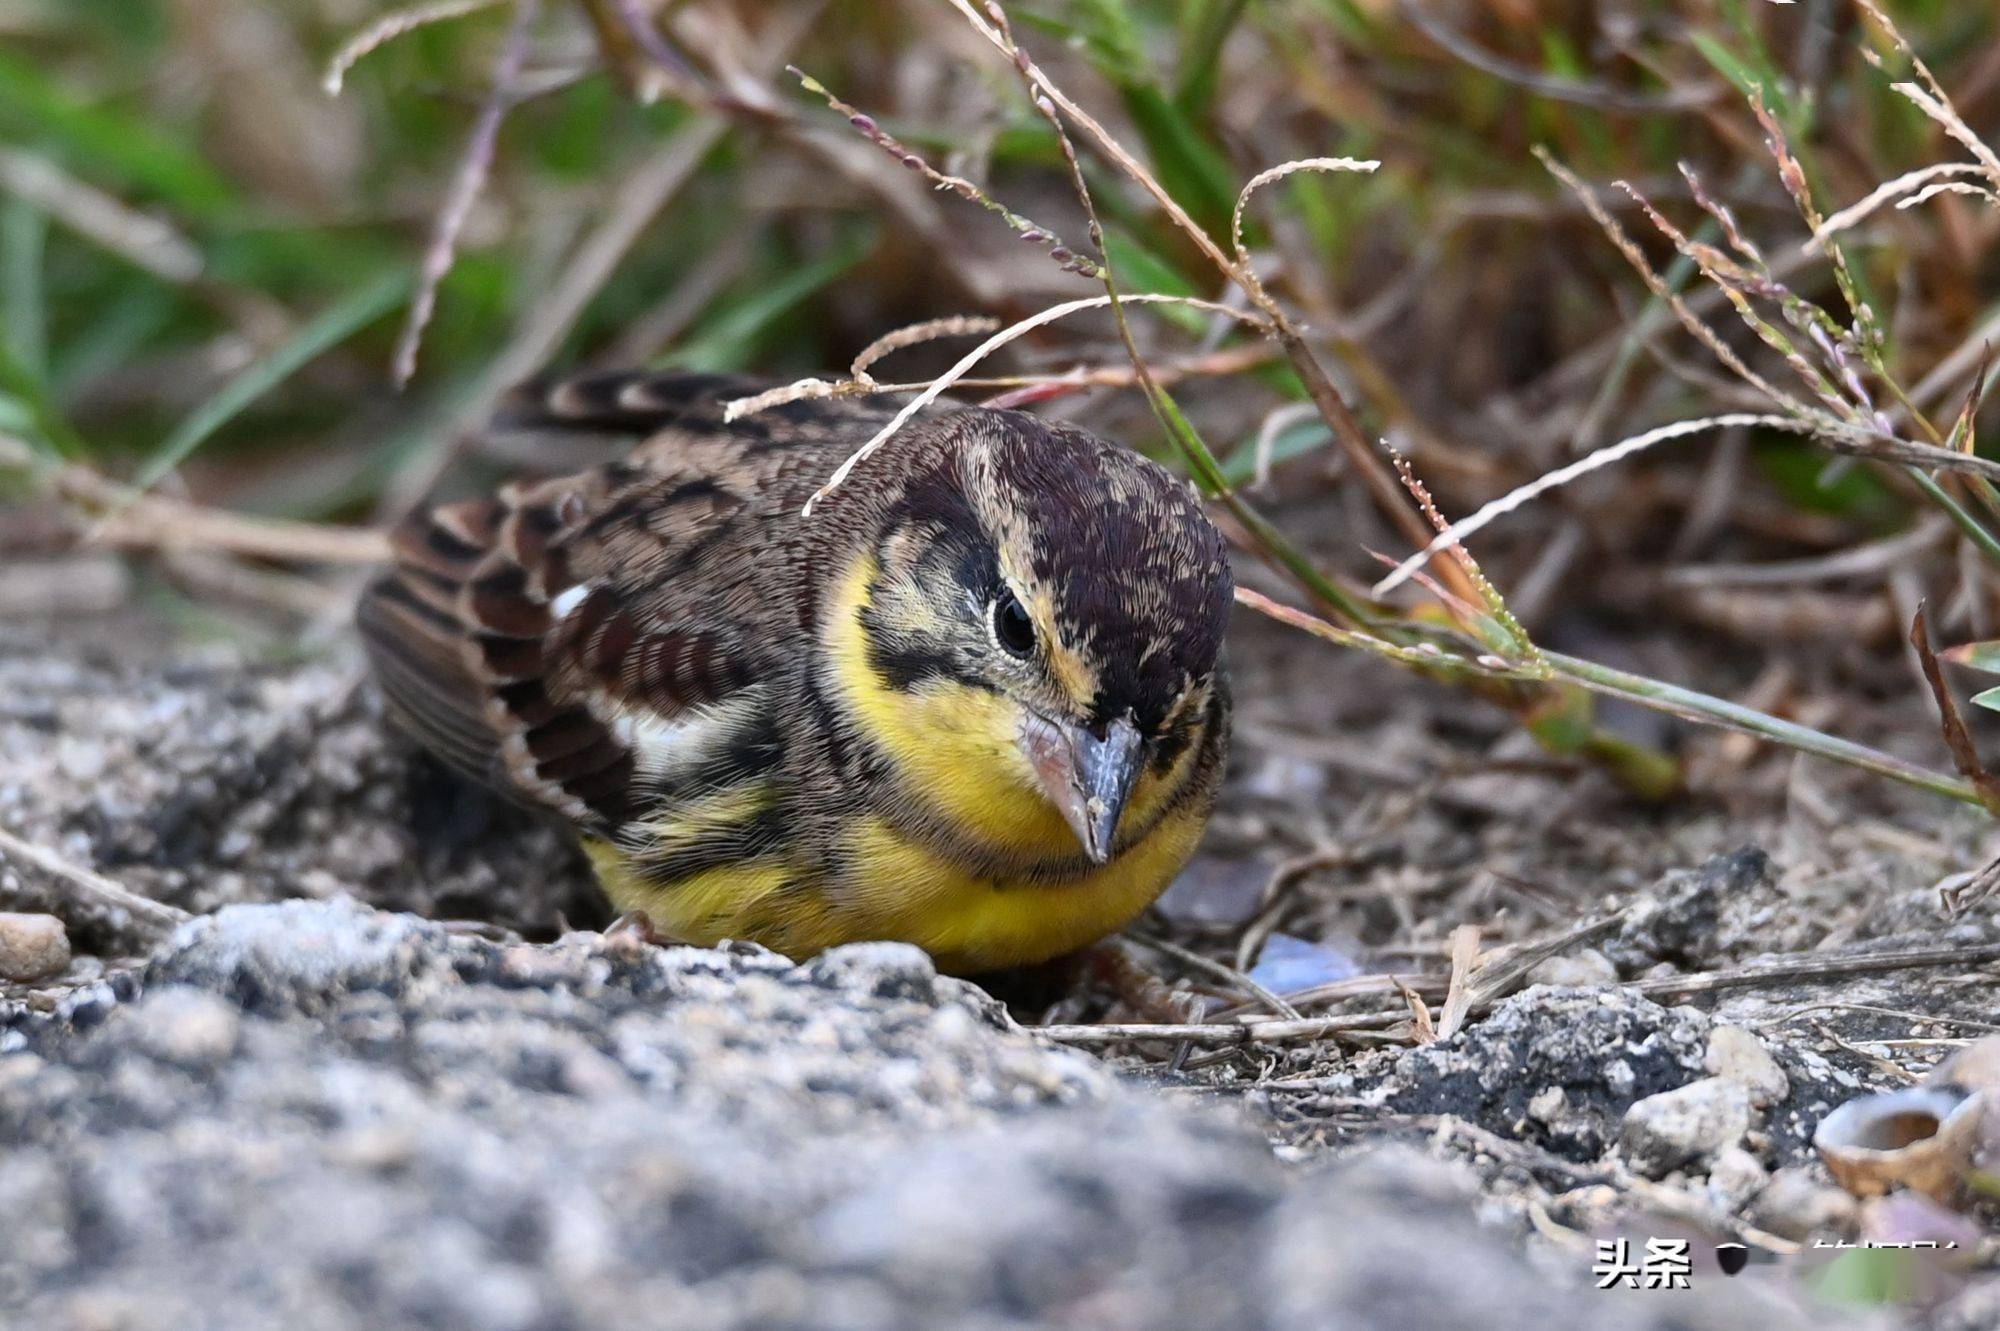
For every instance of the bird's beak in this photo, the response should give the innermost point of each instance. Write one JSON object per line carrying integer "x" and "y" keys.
{"x": 1088, "y": 777}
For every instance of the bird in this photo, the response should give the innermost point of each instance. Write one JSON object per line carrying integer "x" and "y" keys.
{"x": 973, "y": 698}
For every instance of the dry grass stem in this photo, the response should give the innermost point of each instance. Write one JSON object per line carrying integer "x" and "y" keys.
{"x": 1872, "y": 202}
{"x": 1458, "y": 991}
{"x": 1422, "y": 655}
{"x": 986, "y": 348}
{"x": 1964, "y": 753}
{"x": 1930, "y": 192}
{"x": 1277, "y": 173}
{"x": 1561, "y": 476}
{"x": 1580, "y": 92}
{"x": 957, "y": 325}
{"x": 147, "y": 242}
{"x": 101, "y": 891}
{"x": 1672, "y": 299}
{"x": 129, "y": 519}
{"x": 1274, "y": 424}
{"x": 1221, "y": 971}
{"x": 897, "y": 150}
{"x": 387, "y": 29}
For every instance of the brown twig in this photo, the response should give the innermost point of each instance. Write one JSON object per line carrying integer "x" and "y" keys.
{"x": 1422, "y": 1029}
{"x": 1498, "y": 979}
{"x": 635, "y": 50}
{"x": 1211, "y": 1035}
{"x": 638, "y": 200}
{"x": 1964, "y": 753}
{"x": 1421, "y": 14}
{"x": 148, "y": 242}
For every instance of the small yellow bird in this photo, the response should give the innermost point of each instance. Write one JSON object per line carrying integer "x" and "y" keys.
{"x": 973, "y": 701}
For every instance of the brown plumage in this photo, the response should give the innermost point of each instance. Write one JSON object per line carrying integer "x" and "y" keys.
{"x": 972, "y": 701}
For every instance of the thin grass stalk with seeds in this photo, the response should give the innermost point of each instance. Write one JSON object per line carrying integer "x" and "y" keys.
{"x": 1511, "y": 661}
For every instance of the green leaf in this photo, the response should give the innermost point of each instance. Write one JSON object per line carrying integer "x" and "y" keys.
{"x": 1981, "y": 656}
{"x": 117, "y": 330}
{"x": 1118, "y": 50}
{"x": 1188, "y": 164}
{"x": 47, "y": 430}
{"x": 1867, "y": 1276}
{"x": 318, "y": 335}
{"x": 15, "y": 418}
{"x": 1800, "y": 474}
{"x": 1989, "y": 699}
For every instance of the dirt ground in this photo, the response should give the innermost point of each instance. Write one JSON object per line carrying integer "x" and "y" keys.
{"x": 1774, "y": 940}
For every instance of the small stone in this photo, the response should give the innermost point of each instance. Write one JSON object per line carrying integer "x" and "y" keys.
{"x": 1548, "y": 1105}
{"x": 1796, "y": 1204}
{"x": 1689, "y": 1125}
{"x": 1734, "y": 1054}
{"x": 32, "y": 947}
{"x": 185, "y": 1026}
{"x": 1586, "y": 969}
{"x": 1736, "y": 1178}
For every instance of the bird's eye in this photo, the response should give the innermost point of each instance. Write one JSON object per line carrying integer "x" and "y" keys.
{"x": 1012, "y": 628}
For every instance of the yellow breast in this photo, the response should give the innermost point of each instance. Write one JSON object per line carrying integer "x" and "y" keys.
{"x": 952, "y": 749}
{"x": 972, "y": 924}
{"x": 898, "y": 889}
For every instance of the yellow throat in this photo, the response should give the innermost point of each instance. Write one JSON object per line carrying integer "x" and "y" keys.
{"x": 952, "y": 748}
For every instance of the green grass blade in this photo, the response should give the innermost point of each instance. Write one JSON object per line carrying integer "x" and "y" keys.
{"x": 117, "y": 147}
{"x": 47, "y": 430}
{"x": 321, "y": 333}
{"x": 1205, "y": 26}
{"x": 1147, "y": 271}
{"x": 1191, "y": 168}
{"x": 124, "y": 324}
{"x": 725, "y": 343}
{"x": 24, "y": 233}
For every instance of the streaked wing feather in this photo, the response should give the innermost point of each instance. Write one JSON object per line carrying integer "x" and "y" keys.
{"x": 534, "y": 638}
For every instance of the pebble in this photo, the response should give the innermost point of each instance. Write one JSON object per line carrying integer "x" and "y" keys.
{"x": 186, "y": 1026}
{"x": 1798, "y": 1204}
{"x": 1587, "y": 969}
{"x": 32, "y": 947}
{"x": 1735, "y": 1178}
{"x": 1734, "y": 1054}
{"x": 1688, "y": 1125}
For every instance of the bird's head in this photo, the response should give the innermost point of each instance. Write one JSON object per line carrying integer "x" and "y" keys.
{"x": 1041, "y": 616}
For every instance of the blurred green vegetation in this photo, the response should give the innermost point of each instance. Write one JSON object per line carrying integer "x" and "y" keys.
{"x": 232, "y": 313}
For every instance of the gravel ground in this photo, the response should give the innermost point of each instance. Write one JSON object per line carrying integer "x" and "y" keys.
{"x": 317, "y": 1115}
{"x": 304, "y": 1109}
